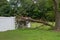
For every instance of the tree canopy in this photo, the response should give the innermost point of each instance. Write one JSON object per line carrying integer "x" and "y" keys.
{"x": 41, "y": 9}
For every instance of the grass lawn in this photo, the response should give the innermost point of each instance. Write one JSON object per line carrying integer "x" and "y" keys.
{"x": 41, "y": 26}
{"x": 29, "y": 34}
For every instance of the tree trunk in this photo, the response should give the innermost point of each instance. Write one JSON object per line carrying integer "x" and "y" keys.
{"x": 57, "y": 15}
{"x": 57, "y": 24}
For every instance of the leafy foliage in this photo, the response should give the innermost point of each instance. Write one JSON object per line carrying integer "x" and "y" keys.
{"x": 42, "y": 9}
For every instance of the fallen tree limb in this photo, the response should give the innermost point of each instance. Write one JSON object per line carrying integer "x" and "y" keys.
{"x": 43, "y": 22}
{"x": 34, "y": 20}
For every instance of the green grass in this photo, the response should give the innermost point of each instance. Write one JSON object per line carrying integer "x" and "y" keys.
{"x": 41, "y": 26}
{"x": 31, "y": 34}
{"x": 28, "y": 34}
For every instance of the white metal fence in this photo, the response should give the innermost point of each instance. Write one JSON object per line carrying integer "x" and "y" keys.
{"x": 7, "y": 23}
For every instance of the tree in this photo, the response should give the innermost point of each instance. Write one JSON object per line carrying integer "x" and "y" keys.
{"x": 57, "y": 15}
{"x": 41, "y": 9}
{"x": 4, "y": 8}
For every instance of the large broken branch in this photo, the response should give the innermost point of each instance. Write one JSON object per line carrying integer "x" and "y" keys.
{"x": 43, "y": 22}
{"x": 34, "y": 20}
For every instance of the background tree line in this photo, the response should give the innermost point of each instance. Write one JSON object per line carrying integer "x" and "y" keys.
{"x": 42, "y": 9}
